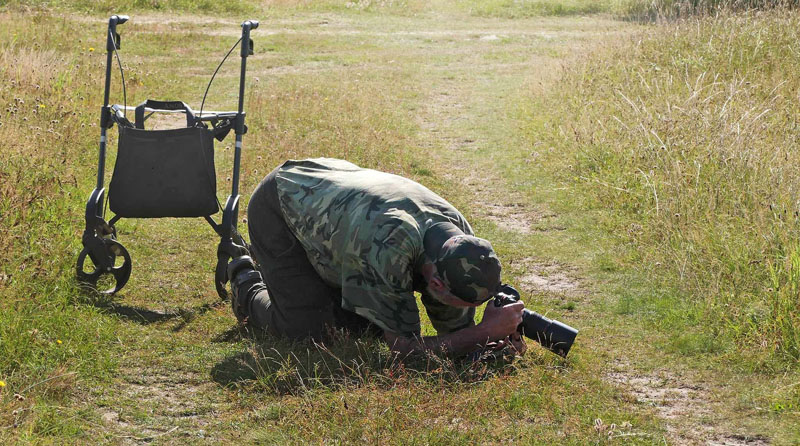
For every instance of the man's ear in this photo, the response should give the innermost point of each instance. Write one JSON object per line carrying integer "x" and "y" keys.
{"x": 437, "y": 284}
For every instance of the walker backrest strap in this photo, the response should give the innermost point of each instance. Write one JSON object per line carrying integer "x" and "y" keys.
{"x": 164, "y": 105}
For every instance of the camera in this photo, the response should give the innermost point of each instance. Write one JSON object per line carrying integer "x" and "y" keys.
{"x": 551, "y": 334}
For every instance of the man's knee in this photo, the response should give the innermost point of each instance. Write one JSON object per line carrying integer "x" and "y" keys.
{"x": 264, "y": 314}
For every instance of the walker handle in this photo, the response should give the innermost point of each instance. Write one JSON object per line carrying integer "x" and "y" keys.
{"x": 112, "y": 39}
{"x": 247, "y": 42}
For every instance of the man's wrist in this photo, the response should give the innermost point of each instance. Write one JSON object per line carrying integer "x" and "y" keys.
{"x": 487, "y": 333}
{"x": 480, "y": 333}
{"x": 465, "y": 340}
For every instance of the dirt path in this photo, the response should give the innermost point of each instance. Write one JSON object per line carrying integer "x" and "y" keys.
{"x": 453, "y": 124}
{"x": 492, "y": 200}
{"x": 683, "y": 402}
{"x": 178, "y": 405}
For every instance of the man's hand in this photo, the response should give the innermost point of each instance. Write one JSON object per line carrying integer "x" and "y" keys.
{"x": 498, "y": 324}
{"x": 501, "y": 322}
{"x": 515, "y": 341}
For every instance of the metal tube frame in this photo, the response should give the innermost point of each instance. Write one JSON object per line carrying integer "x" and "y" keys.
{"x": 98, "y": 238}
{"x": 230, "y": 214}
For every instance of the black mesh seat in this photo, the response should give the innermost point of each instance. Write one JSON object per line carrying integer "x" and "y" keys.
{"x": 164, "y": 173}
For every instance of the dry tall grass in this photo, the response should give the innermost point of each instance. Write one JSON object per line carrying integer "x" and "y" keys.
{"x": 693, "y": 132}
{"x": 671, "y": 9}
{"x": 43, "y": 132}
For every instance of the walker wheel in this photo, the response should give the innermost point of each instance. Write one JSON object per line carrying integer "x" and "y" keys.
{"x": 121, "y": 273}
{"x": 222, "y": 291}
{"x": 226, "y": 251}
{"x": 221, "y": 276}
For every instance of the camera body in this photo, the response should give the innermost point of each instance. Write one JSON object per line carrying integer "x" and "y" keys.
{"x": 551, "y": 334}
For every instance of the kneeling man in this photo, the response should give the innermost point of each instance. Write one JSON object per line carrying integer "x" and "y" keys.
{"x": 339, "y": 246}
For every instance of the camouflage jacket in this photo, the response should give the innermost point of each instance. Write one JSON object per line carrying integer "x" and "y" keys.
{"x": 363, "y": 232}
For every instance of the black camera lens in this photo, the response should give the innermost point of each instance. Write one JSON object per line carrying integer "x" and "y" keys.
{"x": 552, "y": 335}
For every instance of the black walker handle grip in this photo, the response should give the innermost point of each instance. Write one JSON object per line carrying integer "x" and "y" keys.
{"x": 112, "y": 39}
{"x": 247, "y": 42}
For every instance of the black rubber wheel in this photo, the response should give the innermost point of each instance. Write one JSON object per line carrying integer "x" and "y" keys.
{"x": 121, "y": 274}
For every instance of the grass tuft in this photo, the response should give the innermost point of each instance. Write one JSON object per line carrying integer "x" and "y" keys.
{"x": 348, "y": 362}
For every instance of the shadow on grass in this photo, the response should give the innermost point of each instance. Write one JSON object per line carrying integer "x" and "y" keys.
{"x": 141, "y": 315}
{"x": 233, "y": 334}
{"x": 282, "y": 367}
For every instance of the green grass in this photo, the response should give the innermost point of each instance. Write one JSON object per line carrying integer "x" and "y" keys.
{"x": 537, "y": 8}
{"x": 691, "y": 137}
{"x": 509, "y": 9}
{"x": 231, "y": 8}
{"x": 162, "y": 361}
{"x": 281, "y": 8}
{"x": 418, "y": 90}
{"x": 683, "y": 148}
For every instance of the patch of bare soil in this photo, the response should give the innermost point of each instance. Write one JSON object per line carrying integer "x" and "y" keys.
{"x": 671, "y": 398}
{"x": 548, "y": 277}
{"x": 154, "y": 406}
{"x": 511, "y": 217}
{"x": 684, "y": 405}
{"x": 506, "y": 211}
{"x": 166, "y": 121}
{"x": 739, "y": 440}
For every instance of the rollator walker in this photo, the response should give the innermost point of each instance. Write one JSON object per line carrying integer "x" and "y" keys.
{"x": 162, "y": 173}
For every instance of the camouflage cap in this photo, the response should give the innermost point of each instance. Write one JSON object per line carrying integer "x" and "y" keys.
{"x": 468, "y": 265}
